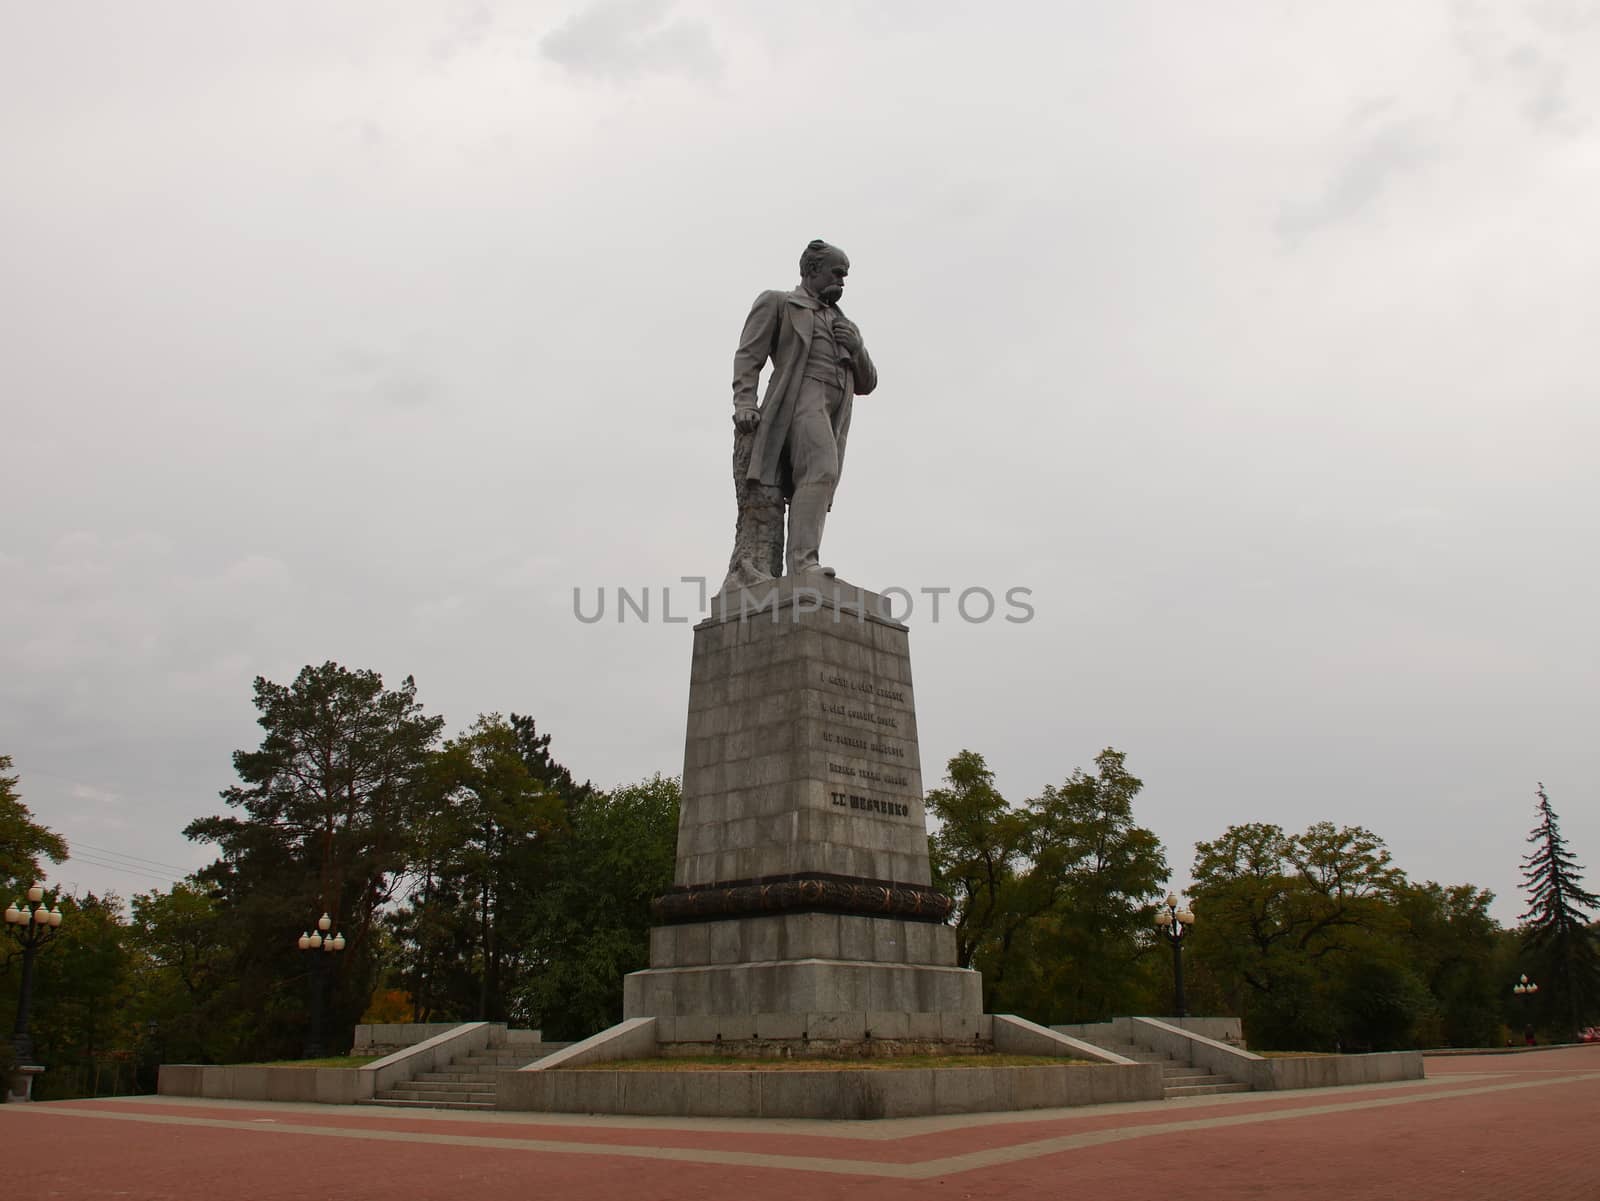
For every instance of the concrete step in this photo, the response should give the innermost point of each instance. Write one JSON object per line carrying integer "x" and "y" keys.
{"x": 400, "y": 1103}
{"x": 1195, "y": 1076}
{"x": 505, "y": 1058}
{"x": 432, "y": 1095}
{"x": 453, "y": 1077}
{"x": 1204, "y": 1090}
{"x": 449, "y": 1086}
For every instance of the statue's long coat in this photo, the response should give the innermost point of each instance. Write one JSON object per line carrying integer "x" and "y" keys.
{"x": 779, "y": 328}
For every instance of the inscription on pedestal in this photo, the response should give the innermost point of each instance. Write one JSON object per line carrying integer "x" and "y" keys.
{"x": 869, "y": 687}
{"x": 855, "y": 713}
{"x": 835, "y": 738}
{"x": 867, "y": 804}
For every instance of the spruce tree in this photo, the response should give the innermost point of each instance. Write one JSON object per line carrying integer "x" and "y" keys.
{"x": 1557, "y": 924}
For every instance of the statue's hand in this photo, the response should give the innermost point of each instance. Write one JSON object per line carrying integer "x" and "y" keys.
{"x": 746, "y": 420}
{"x": 848, "y": 335}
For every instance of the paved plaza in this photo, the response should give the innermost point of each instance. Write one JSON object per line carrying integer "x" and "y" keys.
{"x": 1496, "y": 1127}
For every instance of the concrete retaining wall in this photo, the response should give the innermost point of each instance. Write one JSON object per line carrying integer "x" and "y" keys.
{"x": 634, "y": 1038}
{"x": 1222, "y": 1030}
{"x": 1279, "y": 1071}
{"x": 1018, "y": 1036}
{"x": 327, "y": 1086}
{"x": 844, "y": 1094}
{"x": 1328, "y": 1071}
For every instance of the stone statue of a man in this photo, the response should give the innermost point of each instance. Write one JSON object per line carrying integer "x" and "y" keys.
{"x": 790, "y": 447}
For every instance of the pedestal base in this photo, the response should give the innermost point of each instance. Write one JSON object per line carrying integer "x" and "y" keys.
{"x": 804, "y": 979}
{"x": 802, "y": 986}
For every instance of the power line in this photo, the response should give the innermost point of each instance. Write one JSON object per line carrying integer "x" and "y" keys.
{"x": 123, "y": 855}
{"x": 90, "y": 861}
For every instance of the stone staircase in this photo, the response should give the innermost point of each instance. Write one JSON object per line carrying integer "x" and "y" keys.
{"x": 1179, "y": 1079}
{"x": 470, "y": 1080}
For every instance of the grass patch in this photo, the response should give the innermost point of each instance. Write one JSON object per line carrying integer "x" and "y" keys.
{"x": 333, "y": 1061}
{"x": 1295, "y": 1054}
{"x": 723, "y": 1063}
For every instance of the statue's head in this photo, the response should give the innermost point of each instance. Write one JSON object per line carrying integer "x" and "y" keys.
{"x": 823, "y": 268}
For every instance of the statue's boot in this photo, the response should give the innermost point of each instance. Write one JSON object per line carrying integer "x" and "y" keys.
{"x": 808, "y": 513}
{"x": 758, "y": 540}
{"x": 758, "y": 533}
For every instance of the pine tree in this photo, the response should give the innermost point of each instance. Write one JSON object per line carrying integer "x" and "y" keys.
{"x": 1557, "y": 926}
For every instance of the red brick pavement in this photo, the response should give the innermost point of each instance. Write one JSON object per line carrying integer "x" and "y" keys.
{"x": 1499, "y": 1128}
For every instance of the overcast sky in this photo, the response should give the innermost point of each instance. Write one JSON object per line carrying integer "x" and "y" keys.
{"x": 1257, "y": 339}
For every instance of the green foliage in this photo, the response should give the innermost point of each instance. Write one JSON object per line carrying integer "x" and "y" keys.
{"x": 478, "y": 878}
{"x": 590, "y": 924}
{"x": 329, "y": 805}
{"x": 84, "y": 1022}
{"x": 1458, "y": 951}
{"x": 185, "y": 964}
{"x": 23, "y": 841}
{"x": 1280, "y": 915}
{"x": 1321, "y": 943}
{"x": 976, "y": 851}
{"x": 481, "y": 849}
{"x": 1557, "y": 937}
{"x": 1053, "y": 899}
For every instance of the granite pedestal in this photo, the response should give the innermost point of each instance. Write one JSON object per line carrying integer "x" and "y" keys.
{"x": 802, "y": 885}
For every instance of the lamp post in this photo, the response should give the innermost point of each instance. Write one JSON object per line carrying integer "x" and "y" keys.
{"x": 1174, "y": 923}
{"x": 33, "y": 924}
{"x": 1526, "y": 988}
{"x": 320, "y": 944}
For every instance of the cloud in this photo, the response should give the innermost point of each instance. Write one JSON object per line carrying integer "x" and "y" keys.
{"x": 1360, "y": 181}
{"x": 620, "y": 40}
{"x": 88, "y": 792}
{"x": 1513, "y": 58}
{"x": 388, "y": 379}
{"x": 1546, "y": 102}
{"x": 467, "y": 32}
{"x": 1563, "y": 17}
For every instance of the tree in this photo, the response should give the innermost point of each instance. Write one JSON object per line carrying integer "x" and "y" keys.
{"x": 534, "y": 748}
{"x": 1052, "y": 899}
{"x": 1557, "y": 931}
{"x": 482, "y": 840}
{"x": 590, "y": 924}
{"x": 23, "y": 841}
{"x": 84, "y": 1024}
{"x": 330, "y": 803}
{"x": 976, "y": 850}
{"x": 185, "y": 963}
{"x": 1454, "y": 945}
{"x": 1086, "y": 901}
{"x": 1293, "y": 927}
